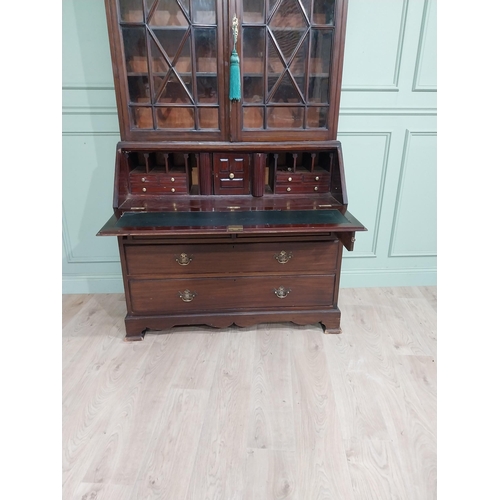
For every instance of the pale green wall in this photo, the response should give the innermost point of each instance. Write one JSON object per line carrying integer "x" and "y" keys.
{"x": 387, "y": 128}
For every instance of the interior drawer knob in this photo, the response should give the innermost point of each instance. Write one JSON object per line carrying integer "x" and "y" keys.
{"x": 315, "y": 188}
{"x": 183, "y": 259}
{"x": 289, "y": 179}
{"x": 231, "y": 175}
{"x": 187, "y": 295}
{"x": 288, "y": 189}
{"x": 316, "y": 178}
{"x": 283, "y": 257}
{"x": 282, "y": 292}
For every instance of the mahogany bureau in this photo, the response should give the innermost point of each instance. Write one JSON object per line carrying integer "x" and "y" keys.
{"x": 230, "y": 203}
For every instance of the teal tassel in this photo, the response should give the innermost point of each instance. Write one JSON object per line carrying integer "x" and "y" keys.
{"x": 234, "y": 77}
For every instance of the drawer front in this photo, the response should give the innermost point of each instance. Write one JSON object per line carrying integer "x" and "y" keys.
{"x": 318, "y": 178}
{"x": 232, "y": 183}
{"x": 240, "y": 293}
{"x": 172, "y": 179}
{"x": 319, "y": 257}
{"x": 158, "y": 184}
{"x": 301, "y": 188}
{"x": 138, "y": 179}
{"x": 286, "y": 177}
{"x": 158, "y": 189}
{"x": 160, "y": 179}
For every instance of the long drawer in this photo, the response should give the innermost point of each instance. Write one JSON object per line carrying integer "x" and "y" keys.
{"x": 318, "y": 257}
{"x": 237, "y": 293}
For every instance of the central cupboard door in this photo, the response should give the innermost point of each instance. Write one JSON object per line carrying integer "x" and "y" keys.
{"x": 172, "y": 68}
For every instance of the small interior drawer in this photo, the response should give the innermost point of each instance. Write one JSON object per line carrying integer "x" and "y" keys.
{"x": 287, "y": 177}
{"x": 310, "y": 188}
{"x": 166, "y": 189}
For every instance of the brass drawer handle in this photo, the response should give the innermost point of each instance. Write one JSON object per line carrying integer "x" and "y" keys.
{"x": 187, "y": 295}
{"x": 282, "y": 292}
{"x": 183, "y": 259}
{"x": 283, "y": 257}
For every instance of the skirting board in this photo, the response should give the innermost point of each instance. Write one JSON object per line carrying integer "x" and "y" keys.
{"x": 349, "y": 279}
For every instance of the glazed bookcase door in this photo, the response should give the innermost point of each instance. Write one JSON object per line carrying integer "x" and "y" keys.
{"x": 291, "y": 69}
{"x": 169, "y": 65}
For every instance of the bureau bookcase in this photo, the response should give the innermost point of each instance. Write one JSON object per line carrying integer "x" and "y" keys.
{"x": 230, "y": 202}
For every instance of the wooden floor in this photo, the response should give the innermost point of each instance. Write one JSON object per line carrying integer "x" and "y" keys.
{"x": 271, "y": 412}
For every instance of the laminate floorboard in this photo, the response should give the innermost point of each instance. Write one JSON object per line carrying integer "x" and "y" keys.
{"x": 275, "y": 411}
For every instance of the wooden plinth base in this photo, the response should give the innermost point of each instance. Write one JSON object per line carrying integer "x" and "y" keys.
{"x": 136, "y": 326}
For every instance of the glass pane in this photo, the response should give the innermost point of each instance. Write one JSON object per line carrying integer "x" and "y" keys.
{"x": 286, "y": 91}
{"x": 159, "y": 63}
{"x": 253, "y": 64}
{"x": 172, "y": 42}
{"x": 141, "y": 117}
{"x": 253, "y": 117}
{"x": 253, "y": 50}
{"x": 316, "y": 117}
{"x": 205, "y": 50}
{"x": 207, "y": 89}
{"x": 131, "y": 11}
{"x": 174, "y": 92}
{"x": 288, "y": 40}
{"x": 272, "y": 4}
{"x": 323, "y": 12}
{"x": 318, "y": 89}
{"x": 137, "y": 64}
{"x": 185, "y": 4}
{"x": 298, "y": 66}
{"x": 298, "y": 63}
{"x": 175, "y": 117}
{"x": 134, "y": 42}
{"x": 168, "y": 13}
{"x": 321, "y": 50}
{"x": 159, "y": 83}
{"x": 253, "y": 88}
{"x": 183, "y": 63}
{"x": 285, "y": 117}
{"x": 289, "y": 15}
{"x": 204, "y": 11}
{"x": 275, "y": 65}
{"x": 138, "y": 89}
{"x": 149, "y": 4}
{"x": 306, "y": 4}
{"x": 209, "y": 117}
{"x": 253, "y": 11}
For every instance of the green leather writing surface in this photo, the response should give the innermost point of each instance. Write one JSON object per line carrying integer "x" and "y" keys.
{"x": 217, "y": 219}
